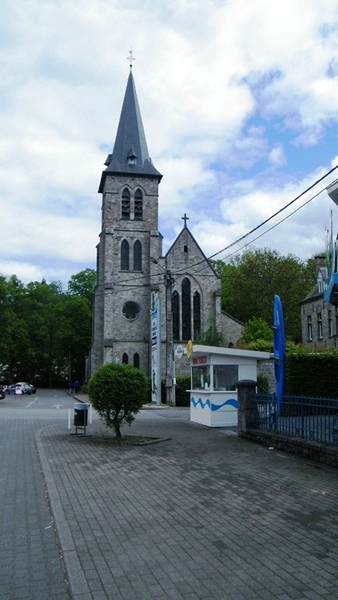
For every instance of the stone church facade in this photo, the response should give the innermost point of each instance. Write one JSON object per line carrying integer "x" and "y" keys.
{"x": 131, "y": 266}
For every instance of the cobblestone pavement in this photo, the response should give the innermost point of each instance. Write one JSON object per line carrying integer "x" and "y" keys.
{"x": 30, "y": 560}
{"x": 201, "y": 516}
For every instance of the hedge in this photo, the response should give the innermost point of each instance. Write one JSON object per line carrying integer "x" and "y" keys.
{"x": 311, "y": 374}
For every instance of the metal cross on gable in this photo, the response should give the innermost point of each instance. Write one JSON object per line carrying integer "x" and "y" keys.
{"x": 130, "y": 57}
{"x": 185, "y": 219}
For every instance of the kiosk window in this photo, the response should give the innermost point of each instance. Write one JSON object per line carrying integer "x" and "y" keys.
{"x": 225, "y": 377}
{"x": 201, "y": 377}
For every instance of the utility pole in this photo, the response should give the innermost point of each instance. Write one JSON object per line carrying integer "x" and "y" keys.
{"x": 169, "y": 350}
{"x": 169, "y": 381}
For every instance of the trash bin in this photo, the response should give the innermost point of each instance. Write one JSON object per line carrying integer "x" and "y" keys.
{"x": 81, "y": 414}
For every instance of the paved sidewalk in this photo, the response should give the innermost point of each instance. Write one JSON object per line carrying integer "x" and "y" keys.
{"x": 30, "y": 558}
{"x": 202, "y": 516}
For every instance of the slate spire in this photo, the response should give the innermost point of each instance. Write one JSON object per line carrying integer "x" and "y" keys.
{"x": 130, "y": 154}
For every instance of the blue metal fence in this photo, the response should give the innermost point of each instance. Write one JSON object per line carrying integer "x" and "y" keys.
{"x": 313, "y": 419}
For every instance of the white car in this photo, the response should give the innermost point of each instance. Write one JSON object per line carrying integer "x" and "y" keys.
{"x": 22, "y": 387}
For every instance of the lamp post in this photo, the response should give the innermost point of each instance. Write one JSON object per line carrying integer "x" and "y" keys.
{"x": 169, "y": 354}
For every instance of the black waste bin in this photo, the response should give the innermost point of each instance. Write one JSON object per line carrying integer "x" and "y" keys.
{"x": 81, "y": 414}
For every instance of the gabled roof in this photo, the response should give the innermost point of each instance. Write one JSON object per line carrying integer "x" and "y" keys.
{"x": 204, "y": 259}
{"x": 313, "y": 294}
{"x": 130, "y": 155}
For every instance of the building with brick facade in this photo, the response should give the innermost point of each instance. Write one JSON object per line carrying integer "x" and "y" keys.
{"x": 131, "y": 267}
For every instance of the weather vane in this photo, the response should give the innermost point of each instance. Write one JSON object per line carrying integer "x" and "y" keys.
{"x": 130, "y": 58}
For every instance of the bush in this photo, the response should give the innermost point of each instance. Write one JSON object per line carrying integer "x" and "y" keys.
{"x": 262, "y": 384}
{"x": 183, "y": 383}
{"x": 311, "y": 373}
{"x": 182, "y": 397}
{"x": 117, "y": 392}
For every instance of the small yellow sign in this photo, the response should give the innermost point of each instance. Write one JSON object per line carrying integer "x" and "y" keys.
{"x": 189, "y": 348}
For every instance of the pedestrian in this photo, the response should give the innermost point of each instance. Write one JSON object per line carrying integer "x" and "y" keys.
{"x": 76, "y": 386}
{"x": 70, "y": 387}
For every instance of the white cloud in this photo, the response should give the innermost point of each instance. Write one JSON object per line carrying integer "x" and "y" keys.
{"x": 234, "y": 98}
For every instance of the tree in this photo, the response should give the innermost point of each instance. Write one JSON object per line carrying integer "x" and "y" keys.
{"x": 77, "y": 321}
{"x": 250, "y": 281}
{"x": 210, "y": 337}
{"x": 117, "y": 392}
{"x": 46, "y": 332}
{"x": 82, "y": 284}
{"x": 256, "y": 329}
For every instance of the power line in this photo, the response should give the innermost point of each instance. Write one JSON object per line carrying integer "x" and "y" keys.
{"x": 140, "y": 277}
{"x": 273, "y": 226}
{"x": 276, "y": 213}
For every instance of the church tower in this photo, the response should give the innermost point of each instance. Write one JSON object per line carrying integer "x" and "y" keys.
{"x": 129, "y": 239}
{"x": 133, "y": 276}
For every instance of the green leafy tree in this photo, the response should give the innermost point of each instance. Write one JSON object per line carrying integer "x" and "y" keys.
{"x": 117, "y": 392}
{"x": 82, "y": 284}
{"x": 210, "y": 337}
{"x": 256, "y": 329}
{"x": 77, "y": 321}
{"x": 250, "y": 281}
{"x": 46, "y": 332}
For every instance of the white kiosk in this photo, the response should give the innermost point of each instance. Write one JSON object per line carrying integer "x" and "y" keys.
{"x": 214, "y": 373}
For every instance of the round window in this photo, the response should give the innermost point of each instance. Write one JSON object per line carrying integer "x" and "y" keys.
{"x": 130, "y": 310}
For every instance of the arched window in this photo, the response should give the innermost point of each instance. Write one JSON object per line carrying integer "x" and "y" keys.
{"x": 126, "y": 204}
{"x": 124, "y": 256}
{"x": 197, "y": 313}
{"x": 137, "y": 256}
{"x": 136, "y": 360}
{"x": 125, "y": 358}
{"x": 186, "y": 309}
{"x": 175, "y": 307}
{"x": 138, "y": 205}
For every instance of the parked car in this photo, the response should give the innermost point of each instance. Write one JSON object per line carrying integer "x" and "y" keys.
{"x": 21, "y": 387}
{"x": 2, "y": 392}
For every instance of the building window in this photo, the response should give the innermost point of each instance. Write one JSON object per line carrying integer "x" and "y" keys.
{"x": 197, "y": 313}
{"x": 130, "y": 310}
{"x": 125, "y": 359}
{"x": 124, "y": 256}
{"x": 319, "y": 326}
{"x": 309, "y": 328}
{"x": 136, "y": 360}
{"x": 186, "y": 309}
{"x": 138, "y": 205}
{"x": 175, "y": 308}
{"x": 330, "y": 323}
{"x": 137, "y": 256}
{"x": 126, "y": 204}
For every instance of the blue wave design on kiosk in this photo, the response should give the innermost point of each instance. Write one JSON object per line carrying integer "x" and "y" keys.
{"x": 213, "y": 407}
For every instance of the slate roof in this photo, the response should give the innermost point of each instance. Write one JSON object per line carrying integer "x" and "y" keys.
{"x": 130, "y": 155}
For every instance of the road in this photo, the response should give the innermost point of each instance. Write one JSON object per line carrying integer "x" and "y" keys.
{"x": 31, "y": 564}
{"x": 43, "y": 400}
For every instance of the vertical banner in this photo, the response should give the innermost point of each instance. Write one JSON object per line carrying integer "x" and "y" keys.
{"x": 155, "y": 334}
{"x": 278, "y": 349}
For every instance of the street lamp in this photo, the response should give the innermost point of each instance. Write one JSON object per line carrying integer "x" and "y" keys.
{"x": 169, "y": 380}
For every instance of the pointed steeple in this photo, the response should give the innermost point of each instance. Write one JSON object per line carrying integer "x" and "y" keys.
{"x": 130, "y": 155}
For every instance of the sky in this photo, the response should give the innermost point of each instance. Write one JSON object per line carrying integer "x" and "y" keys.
{"x": 239, "y": 101}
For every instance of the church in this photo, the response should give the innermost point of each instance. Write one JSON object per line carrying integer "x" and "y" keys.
{"x": 132, "y": 270}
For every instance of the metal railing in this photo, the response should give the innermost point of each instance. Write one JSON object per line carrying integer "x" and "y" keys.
{"x": 314, "y": 419}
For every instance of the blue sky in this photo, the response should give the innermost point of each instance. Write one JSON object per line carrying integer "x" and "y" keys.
{"x": 239, "y": 103}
